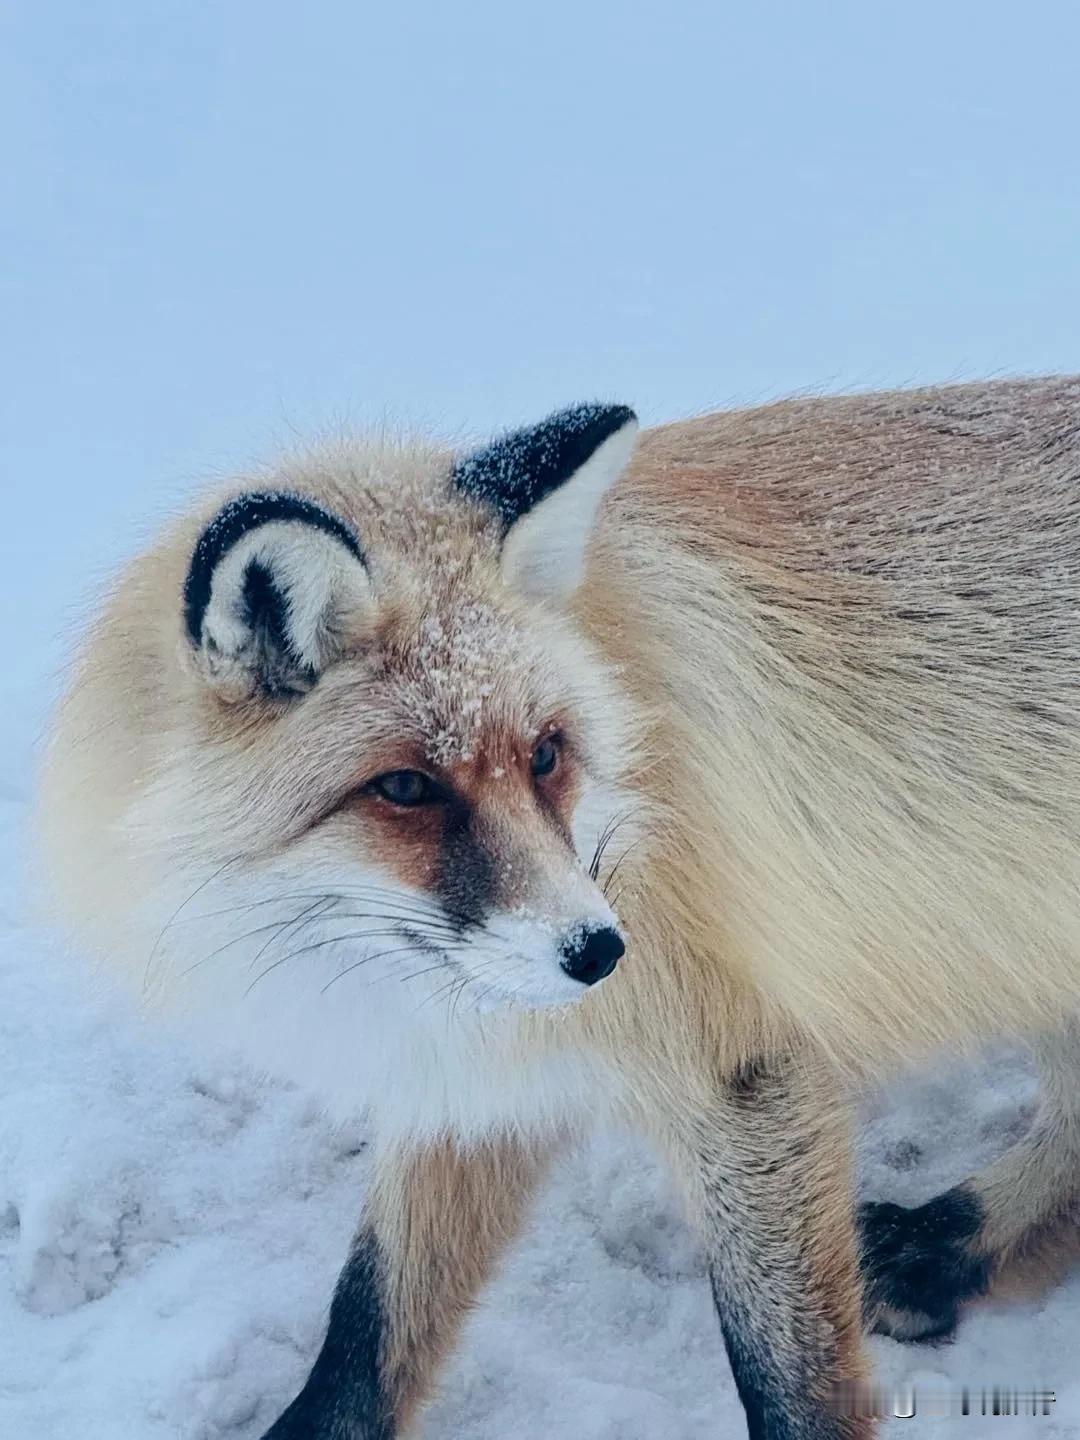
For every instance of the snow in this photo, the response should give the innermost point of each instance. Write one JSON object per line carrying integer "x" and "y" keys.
{"x": 233, "y": 223}
{"x": 456, "y": 668}
{"x": 170, "y": 1231}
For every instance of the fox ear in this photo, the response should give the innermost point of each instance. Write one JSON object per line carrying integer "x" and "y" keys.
{"x": 273, "y": 584}
{"x": 546, "y": 484}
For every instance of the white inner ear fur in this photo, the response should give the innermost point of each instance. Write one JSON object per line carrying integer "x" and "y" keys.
{"x": 544, "y": 552}
{"x": 324, "y": 585}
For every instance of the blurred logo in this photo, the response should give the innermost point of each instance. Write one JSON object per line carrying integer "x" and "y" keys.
{"x": 904, "y": 1402}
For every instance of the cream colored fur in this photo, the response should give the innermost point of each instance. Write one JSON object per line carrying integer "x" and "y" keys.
{"x": 853, "y": 627}
{"x": 825, "y": 654}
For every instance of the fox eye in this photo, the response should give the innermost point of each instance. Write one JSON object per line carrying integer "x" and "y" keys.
{"x": 405, "y": 787}
{"x": 545, "y": 757}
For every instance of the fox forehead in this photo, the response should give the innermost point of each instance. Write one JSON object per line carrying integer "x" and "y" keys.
{"x": 453, "y": 663}
{"x": 443, "y": 638}
{"x": 459, "y": 685}
{"x": 422, "y": 651}
{"x": 465, "y": 681}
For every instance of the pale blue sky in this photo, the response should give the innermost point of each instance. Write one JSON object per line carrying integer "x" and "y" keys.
{"x": 225, "y": 223}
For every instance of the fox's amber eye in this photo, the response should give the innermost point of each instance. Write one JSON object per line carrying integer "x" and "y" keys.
{"x": 405, "y": 787}
{"x": 545, "y": 757}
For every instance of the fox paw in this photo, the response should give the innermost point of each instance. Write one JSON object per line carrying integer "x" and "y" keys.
{"x": 920, "y": 1266}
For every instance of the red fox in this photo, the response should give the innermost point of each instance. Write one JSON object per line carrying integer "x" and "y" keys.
{"x": 686, "y": 781}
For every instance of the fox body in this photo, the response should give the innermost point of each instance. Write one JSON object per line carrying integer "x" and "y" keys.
{"x": 380, "y": 761}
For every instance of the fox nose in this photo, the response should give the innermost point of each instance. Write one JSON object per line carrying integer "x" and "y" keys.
{"x": 589, "y": 955}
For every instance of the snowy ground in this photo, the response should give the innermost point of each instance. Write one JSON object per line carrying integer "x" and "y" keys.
{"x": 170, "y": 1233}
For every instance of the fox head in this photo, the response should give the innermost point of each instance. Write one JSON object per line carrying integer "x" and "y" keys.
{"x": 341, "y": 748}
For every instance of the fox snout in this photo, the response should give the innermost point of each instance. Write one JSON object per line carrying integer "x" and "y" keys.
{"x": 528, "y": 956}
{"x": 590, "y": 953}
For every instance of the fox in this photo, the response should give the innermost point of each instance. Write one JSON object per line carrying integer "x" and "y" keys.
{"x": 685, "y": 781}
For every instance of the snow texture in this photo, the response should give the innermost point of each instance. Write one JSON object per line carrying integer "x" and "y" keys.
{"x": 170, "y": 1231}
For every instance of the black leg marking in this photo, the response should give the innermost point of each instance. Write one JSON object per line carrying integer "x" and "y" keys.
{"x": 788, "y": 1330}
{"x": 773, "y": 1405}
{"x": 919, "y": 1266}
{"x": 777, "y": 1358}
{"x": 343, "y": 1397}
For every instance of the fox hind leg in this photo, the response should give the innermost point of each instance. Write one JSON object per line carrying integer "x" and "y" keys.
{"x": 921, "y": 1265}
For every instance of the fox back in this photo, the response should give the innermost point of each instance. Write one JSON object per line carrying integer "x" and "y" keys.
{"x": 381, "y": 760}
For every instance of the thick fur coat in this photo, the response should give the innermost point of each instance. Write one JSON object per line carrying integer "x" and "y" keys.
{"x": 811, "y": 673}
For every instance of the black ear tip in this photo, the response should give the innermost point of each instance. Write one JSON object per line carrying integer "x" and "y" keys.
{"x": 231, "y": 523}
{"x": 596, "y": 418}
{"x": 517, "y": 470}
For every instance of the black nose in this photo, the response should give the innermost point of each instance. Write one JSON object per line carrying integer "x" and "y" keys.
{"x": 589, "y": 955}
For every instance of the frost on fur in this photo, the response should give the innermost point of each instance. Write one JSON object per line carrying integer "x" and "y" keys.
{"x": 546, "y": 484}
{"x": 823, "y": 655}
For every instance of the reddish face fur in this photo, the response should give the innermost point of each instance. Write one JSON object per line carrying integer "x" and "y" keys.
{"x": 475, "y": 845}
{"x": 447, "y": 674}
{"x": 441, "y": 695}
